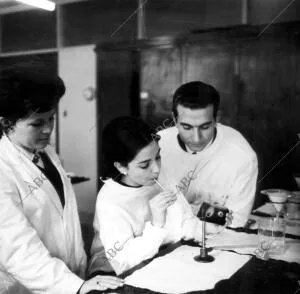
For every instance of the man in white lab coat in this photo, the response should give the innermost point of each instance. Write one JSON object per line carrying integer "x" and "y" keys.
{"x": 208, "y": 161}
{"x": 41, "y": 247}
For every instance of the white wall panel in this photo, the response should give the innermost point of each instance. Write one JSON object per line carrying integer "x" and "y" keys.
{"x": 77, "y": 120}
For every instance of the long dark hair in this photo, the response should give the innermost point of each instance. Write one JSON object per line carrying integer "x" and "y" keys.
{"x": 123, "y": 138}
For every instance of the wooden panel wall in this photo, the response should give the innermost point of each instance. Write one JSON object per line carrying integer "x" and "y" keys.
{"x": 161, "y": 73}
{"x": 117, "y": 90}
{"x": 257, "y": 76}
{"x": 214, "y": 64}
{"x": 270, "y": 110}
{"x": 259, "y": 83}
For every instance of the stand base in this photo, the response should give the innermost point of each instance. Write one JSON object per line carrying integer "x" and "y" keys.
{"x": 205, "y": 259}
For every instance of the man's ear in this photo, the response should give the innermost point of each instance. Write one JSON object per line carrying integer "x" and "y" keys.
{"x": 174, "y": 119}
{"x": 121, "y": 168}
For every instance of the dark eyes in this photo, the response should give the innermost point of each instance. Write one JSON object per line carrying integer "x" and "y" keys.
{"x": 187, "y": 128}
{"x": 40, "y": 123}
{"x": 204, "y": 127}
{"x": 147, "y": 164}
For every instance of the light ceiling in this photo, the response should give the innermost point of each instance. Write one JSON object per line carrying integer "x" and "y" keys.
{"x": 9, "y": 6}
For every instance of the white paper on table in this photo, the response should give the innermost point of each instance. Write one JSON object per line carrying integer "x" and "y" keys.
{"x": 291, "y": 253}
{"x": 246, "y": 244}
{"x": 231, "y": 240}
{"x": 178, "y": 272}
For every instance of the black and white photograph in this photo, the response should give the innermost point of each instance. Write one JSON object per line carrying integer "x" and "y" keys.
{"x": 150, "y": 146}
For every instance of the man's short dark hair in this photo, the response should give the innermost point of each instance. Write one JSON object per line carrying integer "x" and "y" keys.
{"x": 196, "y": 95}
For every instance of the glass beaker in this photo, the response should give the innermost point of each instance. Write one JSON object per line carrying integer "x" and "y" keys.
{"x": 271, "y": 235}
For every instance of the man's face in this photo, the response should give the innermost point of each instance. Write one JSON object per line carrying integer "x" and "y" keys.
{"x": 196, "y": 127}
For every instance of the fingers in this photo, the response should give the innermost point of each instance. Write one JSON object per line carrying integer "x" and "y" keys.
{"x": 158, "y": 206}
{"x": 100, "y": 283}
{"x": 229, "y": 213}
{"x": 164, "y": 199}
{"x": 108, "y": 282}
{"x": 229, "y": 218}
{"x": 167, "y": 196}
{"x": 170, "y": 198}
{"x": 168, "y": 201}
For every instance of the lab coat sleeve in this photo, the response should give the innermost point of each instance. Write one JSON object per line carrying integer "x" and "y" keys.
{"x": 122, "y": 248}
{"x": 191, "y": 225}
{"x": 22, "y": 253}
{"x": 242, "y": 192}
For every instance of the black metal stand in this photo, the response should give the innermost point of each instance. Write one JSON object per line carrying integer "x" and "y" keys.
{"x": 204, "y": 257}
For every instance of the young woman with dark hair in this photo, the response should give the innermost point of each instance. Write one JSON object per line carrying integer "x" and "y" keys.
{"x": 134, "y": 214}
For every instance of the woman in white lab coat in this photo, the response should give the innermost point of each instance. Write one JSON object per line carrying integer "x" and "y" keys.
{"x": 41, "y": 247}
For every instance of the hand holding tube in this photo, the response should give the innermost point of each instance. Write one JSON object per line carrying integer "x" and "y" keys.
{"x": 158, "y": 206}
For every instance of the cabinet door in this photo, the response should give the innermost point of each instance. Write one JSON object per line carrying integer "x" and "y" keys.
{"x": 118, "y": 87}
{"x": 161, "y": 74}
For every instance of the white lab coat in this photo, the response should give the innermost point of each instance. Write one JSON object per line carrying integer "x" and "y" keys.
{"x": 41, "y": 247}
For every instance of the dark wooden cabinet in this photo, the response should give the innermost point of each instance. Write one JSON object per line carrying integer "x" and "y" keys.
{"x": 257, "y": 73}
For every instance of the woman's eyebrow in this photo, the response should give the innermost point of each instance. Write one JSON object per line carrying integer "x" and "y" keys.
{"x": 144, "y": 161}
{"x": 35, "y": 120}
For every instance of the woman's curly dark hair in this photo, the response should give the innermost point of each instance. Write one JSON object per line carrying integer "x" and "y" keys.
{"x": 6, "y": 125}
{"x": 25, "y": 91}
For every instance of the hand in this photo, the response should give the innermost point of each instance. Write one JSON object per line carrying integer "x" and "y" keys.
{"x": 101, "y": 283}
{"x": 213, "y": 229}
{"x": 229, "y": 218}
{"x": 158, "y": 206}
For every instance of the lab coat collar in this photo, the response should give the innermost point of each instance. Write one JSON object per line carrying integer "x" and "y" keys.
{"x": 31, "y": 156}
{"x": 30, "y": 172}
{"x": 17, "y": 153}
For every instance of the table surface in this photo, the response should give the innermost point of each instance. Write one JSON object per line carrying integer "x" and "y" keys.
{"x": 255, "y": 277}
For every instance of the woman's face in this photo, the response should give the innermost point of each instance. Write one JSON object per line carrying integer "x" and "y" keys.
{"x": 144, "y": 168}
{"x": 33, "y": 133}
